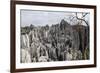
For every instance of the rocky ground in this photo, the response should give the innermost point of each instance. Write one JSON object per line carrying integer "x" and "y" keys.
{"x": 59, "y": 42}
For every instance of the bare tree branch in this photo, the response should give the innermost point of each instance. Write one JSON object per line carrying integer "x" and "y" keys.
{"x": 82, "y": 19}
{"x": 84, "y": 15}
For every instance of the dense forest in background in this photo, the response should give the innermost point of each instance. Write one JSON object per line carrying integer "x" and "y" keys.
{"x": 59, "y": 42}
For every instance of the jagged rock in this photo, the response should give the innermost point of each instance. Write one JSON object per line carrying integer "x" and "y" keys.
{"x": 25, "y": 41}
{"x": 43, "y": 59}
{"x": 58, "y": 42}
{"x": 25, "y": 56}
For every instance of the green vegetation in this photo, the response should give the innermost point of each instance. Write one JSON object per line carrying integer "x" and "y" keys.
{"x": 25, "y": 30}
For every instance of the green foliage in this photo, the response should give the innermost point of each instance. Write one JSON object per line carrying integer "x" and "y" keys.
{"x": 86, "y": 54}
{"x": 25, "y": 30}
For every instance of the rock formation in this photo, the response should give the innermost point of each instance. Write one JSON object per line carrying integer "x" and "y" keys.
{"x": 59, "y": 42}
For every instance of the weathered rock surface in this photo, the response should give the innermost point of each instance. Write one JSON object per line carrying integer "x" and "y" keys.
{"x": 58, "y": 42}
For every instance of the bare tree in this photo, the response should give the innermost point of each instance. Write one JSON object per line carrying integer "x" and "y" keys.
{"x": 82, "y": 18}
